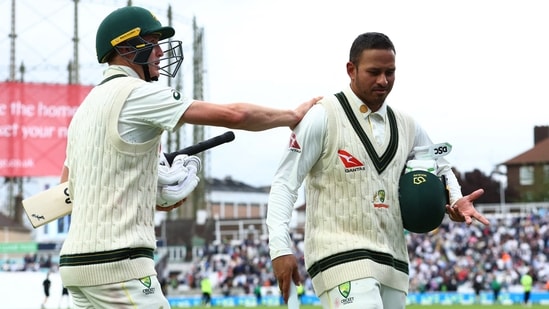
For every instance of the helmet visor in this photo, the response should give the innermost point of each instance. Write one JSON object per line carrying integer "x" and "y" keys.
{"x": 140, "y": 50}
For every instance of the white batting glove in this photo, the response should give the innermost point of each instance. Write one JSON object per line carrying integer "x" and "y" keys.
{"x": 425, "y": 157}
{"x": 421, "y": 165}
{"x": 177, "y": 181}
{"x": 169, "y": 175}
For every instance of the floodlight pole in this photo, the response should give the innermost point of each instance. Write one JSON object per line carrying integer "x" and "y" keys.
{"x": 76, "y": 62}
{"x": 496, "y": 171}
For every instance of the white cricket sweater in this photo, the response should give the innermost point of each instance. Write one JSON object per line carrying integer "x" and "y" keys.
{"x": 354, "y": 228}
{"x": 112, "y": 187}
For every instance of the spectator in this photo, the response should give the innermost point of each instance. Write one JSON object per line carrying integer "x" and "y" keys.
{"x": 496, "y": 288}
{"x": 46, "y": 284}
{"x": 478, "y": 282}
{"x": 527, "y": 281}
{"x": 257, "y": 293}
{"x": 206, "y": 288}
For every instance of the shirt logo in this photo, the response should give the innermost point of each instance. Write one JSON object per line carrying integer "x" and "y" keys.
{"x": 379, "y": 199}
{"x": 345, "y": 291}
{"x": 147, "y": 282}
{"x": 294, "y": 145}
{"x": 351, "y": 163}
{"x": 419, "y": 179}
{"x": 176, "y": 95}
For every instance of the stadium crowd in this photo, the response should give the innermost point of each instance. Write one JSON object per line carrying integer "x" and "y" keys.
{"x": 455, "y": 257}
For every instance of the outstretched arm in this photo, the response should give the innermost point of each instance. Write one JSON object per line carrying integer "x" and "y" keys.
{"x": 244, "y": 116}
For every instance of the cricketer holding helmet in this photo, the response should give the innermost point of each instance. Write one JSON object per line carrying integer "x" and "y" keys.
{"x": 112, "y": 160}
{"x": 355, "y": 249}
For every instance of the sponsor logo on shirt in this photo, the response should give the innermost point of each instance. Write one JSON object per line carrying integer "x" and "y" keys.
{"x": 176, "y": 95}
{"x": 294, "y": 145}
{"x": 351, "y": 163}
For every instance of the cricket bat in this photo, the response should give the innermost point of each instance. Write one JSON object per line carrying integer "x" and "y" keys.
{"x": 293, "y": 300}
{"x": 55, "y": 202}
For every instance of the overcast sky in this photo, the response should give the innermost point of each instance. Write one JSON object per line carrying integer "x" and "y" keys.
{"x": 473, "y": 73}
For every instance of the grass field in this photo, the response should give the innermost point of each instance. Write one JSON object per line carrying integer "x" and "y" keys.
{"x": 409, "y": 306}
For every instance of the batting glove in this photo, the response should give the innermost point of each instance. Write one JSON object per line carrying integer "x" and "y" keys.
{"x": 176, "y": 182}
{"x": 169, "y": 175}
{"x": 421, "y": 165}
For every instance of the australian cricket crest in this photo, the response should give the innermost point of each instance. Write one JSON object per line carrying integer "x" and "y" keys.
{"x": 379, "y": 199}
{"x": 147, "y": 282}
{"x": 345, "y": 291}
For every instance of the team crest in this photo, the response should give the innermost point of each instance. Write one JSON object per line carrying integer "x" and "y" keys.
{"x": 379, "y": 199}
{"x": 345, "y": 289}
{"x": 146, "y": 281}
{"x": 380, "y": 196}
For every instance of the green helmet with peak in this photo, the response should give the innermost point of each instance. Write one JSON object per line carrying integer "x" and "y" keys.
{"x": 124, "y": 24}
{"x": 423, "y": 200}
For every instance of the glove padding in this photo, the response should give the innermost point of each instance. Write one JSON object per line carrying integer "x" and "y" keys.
{"x": 177, "y": 181}
{"x": 422, "y": 165}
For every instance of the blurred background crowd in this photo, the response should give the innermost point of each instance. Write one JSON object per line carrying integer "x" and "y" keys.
{"x": 455, "y": 257}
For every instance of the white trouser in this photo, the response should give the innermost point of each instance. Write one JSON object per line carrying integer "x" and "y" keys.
{"x": 365, "y": 293}
{"x": 134, "y": 294}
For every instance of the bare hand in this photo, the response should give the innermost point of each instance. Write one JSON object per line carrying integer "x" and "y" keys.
{"x": 172, "y": 207}
{"x": 302, "y": 109}
{"x": 285, "y": 270}
{"x": 463, "y": 209}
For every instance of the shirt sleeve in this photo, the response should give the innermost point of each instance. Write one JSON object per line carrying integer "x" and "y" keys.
{"x": 444, "y": 167}
{"x": 305, "y": 147}
{"x": 149, "y": 110}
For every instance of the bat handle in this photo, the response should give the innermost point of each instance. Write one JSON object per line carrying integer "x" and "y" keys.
{"x": 293, "y": 300}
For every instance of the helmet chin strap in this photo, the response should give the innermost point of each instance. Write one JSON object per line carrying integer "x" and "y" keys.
{"x": 147, "y": 74}
{"x": 142, "y": 58}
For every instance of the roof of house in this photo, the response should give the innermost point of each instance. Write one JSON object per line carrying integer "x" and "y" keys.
{"x": 229, "y": 184}
{"x": 538, "y": 154}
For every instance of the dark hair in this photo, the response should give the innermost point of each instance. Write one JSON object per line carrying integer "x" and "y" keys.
{"x": 369, "y": 40}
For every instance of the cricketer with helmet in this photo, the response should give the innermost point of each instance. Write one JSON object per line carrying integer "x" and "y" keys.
{"x": 112, "y": 161}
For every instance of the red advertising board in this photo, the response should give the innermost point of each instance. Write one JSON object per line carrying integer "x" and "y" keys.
{"x": 34, "y": 118}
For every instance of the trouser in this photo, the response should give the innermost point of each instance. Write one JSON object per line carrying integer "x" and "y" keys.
{"x": 526, "y": 297}
{"x": 206, "y": 297}
{"x": 135, "y": 294}
{"x": 365, "y": 293}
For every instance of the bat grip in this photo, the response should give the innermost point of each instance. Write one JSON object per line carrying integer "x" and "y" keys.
{"x": 201, "y": 146}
